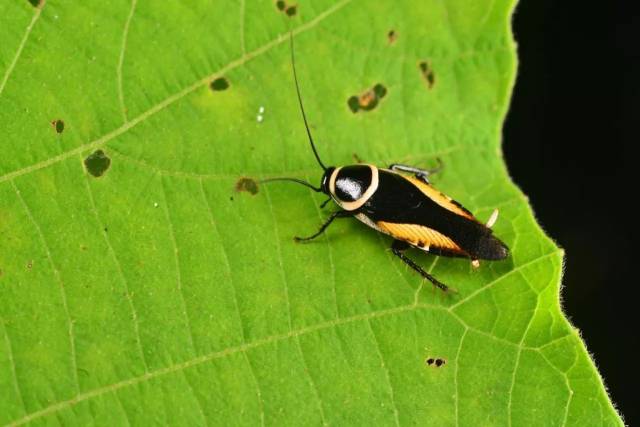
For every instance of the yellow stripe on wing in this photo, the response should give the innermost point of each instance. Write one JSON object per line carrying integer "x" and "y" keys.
{"x": 420, "y": 236}
{"x": 440, "y": 198}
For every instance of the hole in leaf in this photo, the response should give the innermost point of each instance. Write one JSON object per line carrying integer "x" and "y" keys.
{"x": 427, "y": 73}
{"x": 392, "y": 36}
{"x": 97, "y": 163}
{"x": 58, "y": 125}
{"x": 219, "y": 84}
{"x": 353, "y": 104}
{"x": 291, "y": 10}
{"x": 248, "y": 185}
{"x": 437, "y": 362}
{"x": 288, "y": 9}
{"x": 368, "y": 100}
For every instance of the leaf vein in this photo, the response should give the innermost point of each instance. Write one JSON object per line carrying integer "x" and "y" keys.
{"x": 243, "y": 47}
{"x": 123, "y": 48}
{"x": 234, "y": 291}
{"x": 23, "y": 42}
{"x": 313, "y": 384}
{"x": 172, "y": 238}
{"x": 257, "y": 384}
{"x": 330, "y": 256}
{"x": 196, "y": 397}
{"x": 81, "y": 397}
{"x": 225, "y": 257}
{"x": 386, "y": 373}
{"x": 12, "y": 362}
{"x": 517, "y": 364}
{"x": 455, "y": 377}
{"x": 502, "y": 277}
{"x": 125, "y": 282}
{"x": 234, "y": 175}
{"x": 56, "y": 274}
{"x": 172, "y": 98}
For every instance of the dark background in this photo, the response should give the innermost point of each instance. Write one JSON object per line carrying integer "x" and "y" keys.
{"x": 567, "y": 141}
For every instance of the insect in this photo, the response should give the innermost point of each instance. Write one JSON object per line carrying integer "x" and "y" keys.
{"x": 401, "y": 202}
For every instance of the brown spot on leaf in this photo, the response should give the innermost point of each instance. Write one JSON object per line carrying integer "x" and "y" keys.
{"x": 392, "y": 36}
{"x": 368, "y": 100}
{"x": 427, "y": 73}
{"x": 58, "y": 125}
{"x": 247, "y": 184}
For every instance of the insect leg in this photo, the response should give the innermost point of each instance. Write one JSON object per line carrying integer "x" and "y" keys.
{"x": 334, "y": 215}
{"x": 421, "y": 174}
{"x": 398, "y": 247}
{"x": 325, "y": 203}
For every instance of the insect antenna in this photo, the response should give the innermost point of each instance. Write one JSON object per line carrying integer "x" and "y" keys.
{"x": 304, "y": 116}
{"x": 306, "y": 125}
{"x": 296, "y": 180}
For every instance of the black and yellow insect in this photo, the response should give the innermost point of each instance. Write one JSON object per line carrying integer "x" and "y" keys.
{"x": 400, "y": 201}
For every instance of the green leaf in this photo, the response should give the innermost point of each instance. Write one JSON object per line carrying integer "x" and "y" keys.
{"x": 137, "y": 285}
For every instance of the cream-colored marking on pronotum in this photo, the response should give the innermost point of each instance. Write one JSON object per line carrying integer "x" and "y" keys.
{"x": 475, "y": 263}
{"x": 332, "y": 182}
{"x": 492, "y": 219}
{"x": 352, "y": 206}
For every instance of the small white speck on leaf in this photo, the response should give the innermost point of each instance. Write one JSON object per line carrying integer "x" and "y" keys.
{"x": 260, "y": 117}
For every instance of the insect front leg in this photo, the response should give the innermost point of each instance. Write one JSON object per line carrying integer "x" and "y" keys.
{"x": 398, "y": 247}
{"x": 325, "y": 203}
{"x": 338, "y": 214}
{"x": 421, "y": 174}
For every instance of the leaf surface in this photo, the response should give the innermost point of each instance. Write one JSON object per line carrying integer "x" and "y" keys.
{"x": 138, "y": 286}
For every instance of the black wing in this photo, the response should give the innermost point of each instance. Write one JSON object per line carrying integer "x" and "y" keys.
{"x": 408, "y": 201}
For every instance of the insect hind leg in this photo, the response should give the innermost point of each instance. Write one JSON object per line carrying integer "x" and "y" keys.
{"x": 421, "y": 174}
{"x": 398, "y": 247}
{"x": 323, "y": 227}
